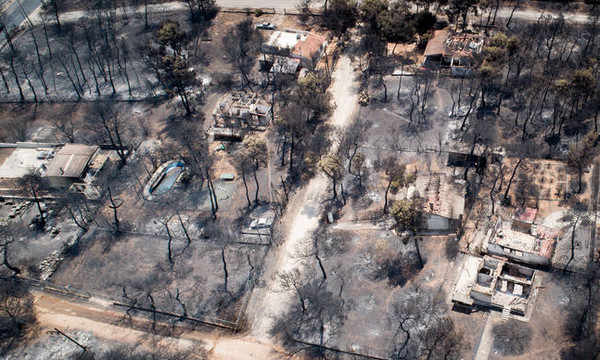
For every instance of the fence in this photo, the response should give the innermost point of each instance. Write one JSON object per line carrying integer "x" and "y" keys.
{"x": 68, "y": 291}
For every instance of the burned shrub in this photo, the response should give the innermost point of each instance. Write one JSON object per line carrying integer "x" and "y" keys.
{"x": 451, "y": 249}
{"x": 400, "y": 269}
{"x": 16, "y": 313}
{"x": 395, "y": 266}
{"x": 511, "y": 338}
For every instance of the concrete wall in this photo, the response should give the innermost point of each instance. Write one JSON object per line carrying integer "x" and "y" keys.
{"x": 436, "y": 222}
{"x": 526, "y": 258}
{"x": 481, "y": 298}
{"x": 58, "y": 182}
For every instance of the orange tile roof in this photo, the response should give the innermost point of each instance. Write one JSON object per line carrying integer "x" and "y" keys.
{"x": 309, "y": 45}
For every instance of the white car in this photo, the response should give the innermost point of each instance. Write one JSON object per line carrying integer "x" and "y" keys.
{"x": 266, "y": 26}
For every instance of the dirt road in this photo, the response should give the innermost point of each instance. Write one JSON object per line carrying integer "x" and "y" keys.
{"x": 303, "y": 215}
{"x": 103, "y": 320}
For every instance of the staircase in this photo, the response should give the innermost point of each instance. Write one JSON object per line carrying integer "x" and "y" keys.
{"x": 505, "y": 314}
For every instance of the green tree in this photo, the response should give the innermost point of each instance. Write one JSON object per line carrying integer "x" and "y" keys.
{"x": 396, "y": 25}
{"x": 331, "y": 165}
{"x": 460, "y": 9}
{"x": 423, "y": 21}
{"x": 255, "y": 150}
{"x": 396, "y": 177}
{"x": 202, "y": 10}
{"x": 340, "y": 16}
{"x": 171, "y": 35}
{"x": 178, "y": 78}
{"x": 361, "y": 171}
{"x": 171, "y": 64}
{"x": 372, "y": 12}
{"x": 409, "y": 215}
{"x": 312, "y": 99}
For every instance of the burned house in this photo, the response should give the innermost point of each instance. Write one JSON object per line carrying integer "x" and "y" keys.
{"x": 238, "y": 111}
{"x": 462, "y": 154}
{"x": 496, "y": 284}
{"x": 456, "y": 51}
{"x": 521, "y": 240}
{"x": 74, "y": 166}
{"x": 287, "y": 51}
{"x": 523, "y": 219}
{"x": 444, "y": 202}
{"x": 70, "y": 164}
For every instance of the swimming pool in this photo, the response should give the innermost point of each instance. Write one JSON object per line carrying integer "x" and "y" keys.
{"x": 164, "y": 178}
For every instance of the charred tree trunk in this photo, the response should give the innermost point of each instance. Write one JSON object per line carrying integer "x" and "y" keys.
{"x": 511, "y": 179}
{"x": 246, "y": 186}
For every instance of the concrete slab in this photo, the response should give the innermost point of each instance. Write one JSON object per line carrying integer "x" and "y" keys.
{"x": 21, "y": 161}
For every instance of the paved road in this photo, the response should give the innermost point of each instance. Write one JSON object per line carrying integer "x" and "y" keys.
{"x": 264, "y": 4}
{"x": 534, "y": 14}
{"x": 13, "y": 10}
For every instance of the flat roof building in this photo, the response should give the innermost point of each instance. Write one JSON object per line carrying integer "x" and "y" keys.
{"x": 306, "y": 46}
{"x": 496, "y": 284}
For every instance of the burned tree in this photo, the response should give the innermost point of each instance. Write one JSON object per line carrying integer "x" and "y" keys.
{"x": 16, "y": 313}
{"x": 202, "y": 10}
{"x": 112, "y": 128}
{"x": 5, "y": 240}
{"x": 255, "y": 150}
{"x": 244, "y": 165}
{"x": 580, "y": 156}
{"x": 34, "y": 185}
{"x": 242, "y": 45}
{"x": 114, "y": 205}
{"x": 314, "y": 318}
{"x": 352, "y": 137}
{"x": 511, "y": 338}
{"x": 423, "y": 329}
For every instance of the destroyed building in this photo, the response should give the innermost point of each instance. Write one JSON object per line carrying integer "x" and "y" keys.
{"x": 463, "y": 154}
{"x": 496, "y": 284}
{"x": 456, "y": 51}
{"x": 444, "y": 201}
{"x": 236, "y": 111}
{"x": 73, "y": 166}
{"x": 69, "y": 164}
{"x": 292, "y": 49}
{"x": 521, "y": 240}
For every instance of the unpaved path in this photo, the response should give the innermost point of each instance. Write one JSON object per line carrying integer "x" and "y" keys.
{"x": 302, "y": 215}
{"x": 304, "y": 211}
{"x": 344, "y": 90}
{"x": 103, "y": 320}
{"x": 363, "y": 225}
{"x": 486, "y": 341}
